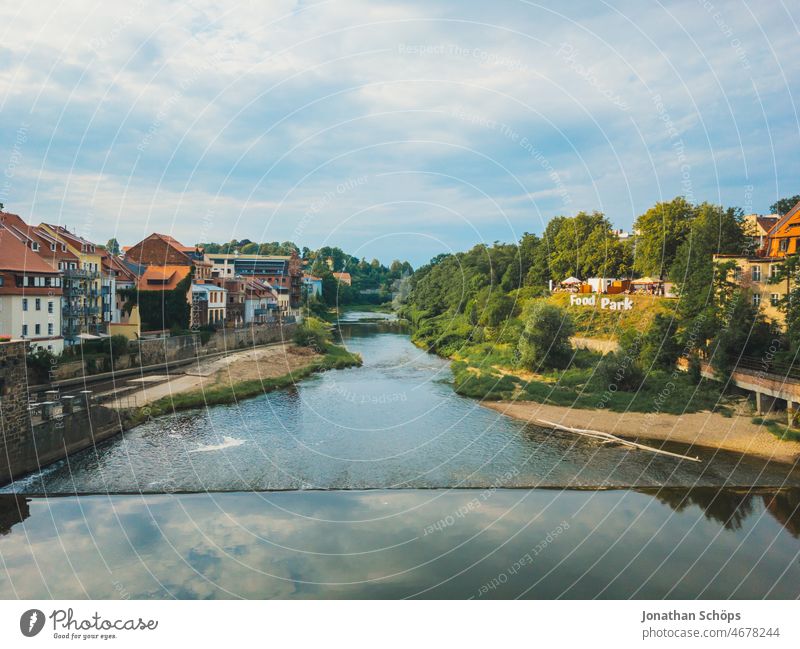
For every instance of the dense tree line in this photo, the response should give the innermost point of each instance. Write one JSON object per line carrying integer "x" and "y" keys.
{"x": 490, "y": 293}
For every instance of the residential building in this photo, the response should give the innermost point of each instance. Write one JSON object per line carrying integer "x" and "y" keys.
{"x": 161, "y": 262}
{"x": 758, "y": 227}
{"x": 261, "y": 302}
{"x": 30, "y": 294}
{"x": 754, "y": 274}
{"x": 284, "y": 273}
{"x": 82, "y": 312}
{"x": 117, "y": 278}
{"x": 343, "y": 278}
{"x": 312, "y": 285}
{"x": 208, "y": 304}
{"x": 782, "y": 239}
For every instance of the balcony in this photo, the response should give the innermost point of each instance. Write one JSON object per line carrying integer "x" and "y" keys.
{"x": 79, "y": 273}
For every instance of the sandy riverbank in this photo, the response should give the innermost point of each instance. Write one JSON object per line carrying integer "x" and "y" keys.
{"x": 706, "y": 429}
{"x": 270, "y": 362}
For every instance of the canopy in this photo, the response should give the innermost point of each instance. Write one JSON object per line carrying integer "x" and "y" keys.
{"x": 88, "y": 337}
{"x": 571, "y": 280}
{"x": 647, "y": 280}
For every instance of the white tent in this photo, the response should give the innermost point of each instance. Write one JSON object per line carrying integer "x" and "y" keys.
{"x": 571, "y": 280}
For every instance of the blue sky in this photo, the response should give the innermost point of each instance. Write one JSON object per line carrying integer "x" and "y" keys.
{"x": 393, "y": 130}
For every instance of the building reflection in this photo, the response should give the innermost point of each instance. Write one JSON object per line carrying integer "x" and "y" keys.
{"x": 13, "y": 509}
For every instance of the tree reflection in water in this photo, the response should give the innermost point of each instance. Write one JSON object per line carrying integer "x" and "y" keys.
{"x": 731, "y": 507}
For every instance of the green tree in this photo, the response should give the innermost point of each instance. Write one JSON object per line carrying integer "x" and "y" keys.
{"x": 783, "y": 205}
{"x": 545, "y": 339}
{"x": 660, "y": 348}
{"x": 585, "y": 246}
{"x": 714, "y": 230}
{"x": 112, "y": 246}
{"x": 660, "y": 231}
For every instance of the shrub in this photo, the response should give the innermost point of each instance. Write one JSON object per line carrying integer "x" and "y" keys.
{"x": 313, "y": 333}
{"x": 545, "y": 339}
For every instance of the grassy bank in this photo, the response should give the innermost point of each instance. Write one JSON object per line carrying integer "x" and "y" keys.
{"x": 486, "y": 364}
{"x": 336, "y": 357}
{"x": 583, "y": 387}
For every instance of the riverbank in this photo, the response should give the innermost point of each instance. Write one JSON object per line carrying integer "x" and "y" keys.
{"x": 705, "y": 429}
{"x": 237, "y": 376}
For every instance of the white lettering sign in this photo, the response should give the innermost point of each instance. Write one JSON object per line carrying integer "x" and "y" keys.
{"x": 625, "y": 304}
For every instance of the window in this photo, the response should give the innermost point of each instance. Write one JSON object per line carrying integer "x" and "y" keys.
{"x": 773, "y": 270}
{"x": 49, "y": 328}
{"x": 37, "y": 329}
{"x": 783, "y": 245}
{"x": 737, "y": 274}
{"x": 24, "y": 330}
{"x": 34, "y": 246}
{"x": 53, "y": 247}
{"x": 50, "y": 306}
{"x": 756, "y": 299}
{"x": 38, "y": 304}
{"x": 774, "y": 299}
{"x": 755, "y": 272}
{"x": 63, "y": 247}
{"x": 24, "y": 304}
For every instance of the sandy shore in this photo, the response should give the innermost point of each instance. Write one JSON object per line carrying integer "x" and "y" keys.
{"x": 262, "y": 363}
{"x": 736, "y": 433}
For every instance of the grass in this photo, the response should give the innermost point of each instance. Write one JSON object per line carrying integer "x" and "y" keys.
{"x": 780, "y": 430}
{"x": 335, "y": 358}
{"x": 605, "y": 324}
{"x": 581, "y": 387}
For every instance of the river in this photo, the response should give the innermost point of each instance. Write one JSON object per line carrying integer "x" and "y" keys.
{"x": 380, "y": 481}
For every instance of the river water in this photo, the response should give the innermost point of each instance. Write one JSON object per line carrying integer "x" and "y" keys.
{"x": 426, "y": 494}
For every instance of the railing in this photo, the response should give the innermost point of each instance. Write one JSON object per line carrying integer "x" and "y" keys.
{"x": 80, "y": 273}
{"x": 751, "y": 365}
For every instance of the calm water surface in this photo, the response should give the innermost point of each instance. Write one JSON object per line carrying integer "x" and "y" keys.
{"x": 535, "y": 543}
{"x": 417, "y": 502}
{"x": 393, "y": 423}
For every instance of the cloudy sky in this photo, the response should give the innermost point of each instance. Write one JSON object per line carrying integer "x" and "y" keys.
{"x": 391, "y": 129}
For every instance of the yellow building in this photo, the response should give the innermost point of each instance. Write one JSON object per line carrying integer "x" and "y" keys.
{"x": 82, "y": 302}
{"x": 754, "y": 274}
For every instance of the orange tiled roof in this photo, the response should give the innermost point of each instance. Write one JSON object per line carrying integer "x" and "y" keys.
{"x": 162, "y": 278}
{"x": 16, "y": 256}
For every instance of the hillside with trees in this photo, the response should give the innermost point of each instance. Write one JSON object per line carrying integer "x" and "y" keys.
{"x": 490, "y": 310}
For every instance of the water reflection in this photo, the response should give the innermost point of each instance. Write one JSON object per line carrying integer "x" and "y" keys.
{"x": 435, "y": 544}
{"x": 13, "y": 510}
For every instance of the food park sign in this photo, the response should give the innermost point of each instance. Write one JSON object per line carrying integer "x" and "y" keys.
{"x": 625, "y": 304}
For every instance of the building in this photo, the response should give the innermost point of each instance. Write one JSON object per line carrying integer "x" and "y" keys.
{"x": 782, "y": 239}
{"x": 773, "y": 238}
{"x": 283, "y": 273}
{"x": 82, "y": 305}
{"x": 162, "y": 250}
{"x": 236, "y": 291}
{"x": 30, "y": 294}
{"x": 343, "y": 278}
{"x": 754, "y": 273}
{"x": 208, "y": 305}
{"x": 161, "y": 262}
{"x": 312, "y": 285}
{"x": 117, "y": 278}
{"x": 758, "y": 227}
{"x": 261, "y": 302}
